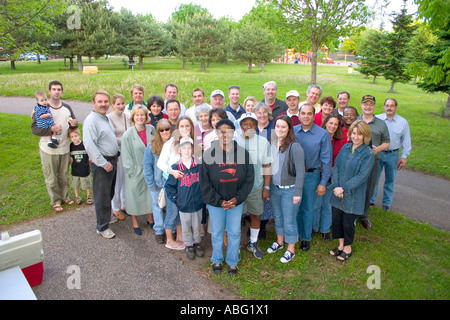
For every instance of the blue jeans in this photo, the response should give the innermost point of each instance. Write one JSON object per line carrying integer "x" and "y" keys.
{"x": 285, "y": 212}
{"x": 388, "y": 162}
{"x": 222, "y": 220}
{"x": 158, "y": 214}
{"x": 322, "y": 212}
{"x": 306, "y": 211}
{"x": 172, "y": 216}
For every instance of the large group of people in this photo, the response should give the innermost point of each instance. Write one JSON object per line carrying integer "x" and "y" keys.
{"x": 312, "y": 165}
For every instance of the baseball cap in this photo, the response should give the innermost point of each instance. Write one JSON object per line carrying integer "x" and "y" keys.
{"x": 216, "y": 92}
{"x": 186, "y": 140}
{"x": 368, "y": 98}
{"x": 247, "y": 115}
{"x": 292, "y": 93}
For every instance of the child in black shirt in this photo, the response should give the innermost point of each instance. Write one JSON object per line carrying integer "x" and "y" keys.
{"x": 79, "y": 161}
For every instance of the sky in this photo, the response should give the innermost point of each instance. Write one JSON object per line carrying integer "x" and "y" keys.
{"x": 162, "y": 9}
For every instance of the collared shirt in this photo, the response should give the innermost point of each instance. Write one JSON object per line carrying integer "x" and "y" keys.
{"x": 316, "y": 144}
{"x": 182, "y": 107}
{"x": 399, "y": 133}
{"x": 99, "y": 139}
{"x": 295, "y": 118}
{"x": 236, "y": 113}
{"x": 380, "y": 133}
{"x": 317, "y": 107}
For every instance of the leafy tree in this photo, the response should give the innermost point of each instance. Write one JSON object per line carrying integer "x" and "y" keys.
{"x": 202, "y": 38}
{"x": 418, "y": 47}
{"x": 253, "y": 44}
{"x": 319, "y": 21}
{"x": 397, "y": 44}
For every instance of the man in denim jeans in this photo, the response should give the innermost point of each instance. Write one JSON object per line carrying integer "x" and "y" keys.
{"x": 316, "y": 144}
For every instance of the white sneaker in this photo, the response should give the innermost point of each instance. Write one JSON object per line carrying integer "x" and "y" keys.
{"x": 108, "y": 233}
{"x": 274, "y": 247}
{"x": 287, "y": 257}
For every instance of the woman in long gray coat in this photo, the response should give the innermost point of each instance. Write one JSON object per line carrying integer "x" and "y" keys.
{"x": 134, "y": 143}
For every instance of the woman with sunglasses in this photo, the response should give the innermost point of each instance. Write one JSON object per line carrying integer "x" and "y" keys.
{"x": 153, "y": 175}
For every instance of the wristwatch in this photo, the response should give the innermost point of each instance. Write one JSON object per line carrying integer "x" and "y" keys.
{"x": 267, "y": 187}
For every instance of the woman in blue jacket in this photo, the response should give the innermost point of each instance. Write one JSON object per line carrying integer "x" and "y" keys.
{"x": 351, "y": 172}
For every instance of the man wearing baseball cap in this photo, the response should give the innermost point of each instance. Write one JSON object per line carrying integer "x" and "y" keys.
{"x": 292, "y": 100}
{"x": 217, "y": 100}
{"x": 380, "y": 142}
{"x": 260, "y": 156}
{"x": 270, "y": 98}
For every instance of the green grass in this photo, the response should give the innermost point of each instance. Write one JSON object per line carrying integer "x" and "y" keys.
{"x": 412, "y": 257}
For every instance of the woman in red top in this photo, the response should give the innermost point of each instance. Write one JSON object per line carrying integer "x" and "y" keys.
{"x": 322, "y": 206}
{"x": 327, "y": 106}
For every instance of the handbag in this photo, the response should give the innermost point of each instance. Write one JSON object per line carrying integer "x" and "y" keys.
{"x": 162, "y": 198}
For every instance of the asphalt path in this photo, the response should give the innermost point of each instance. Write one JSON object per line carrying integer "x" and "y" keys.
{"x": 131, "y": 267}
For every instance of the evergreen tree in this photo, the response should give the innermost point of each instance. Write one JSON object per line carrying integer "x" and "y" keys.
{"x": 397, "y": 45}
{"x": 372, "y": 53}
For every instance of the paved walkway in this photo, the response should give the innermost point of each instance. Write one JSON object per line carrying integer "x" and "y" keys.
{"x": 135, "y": 267}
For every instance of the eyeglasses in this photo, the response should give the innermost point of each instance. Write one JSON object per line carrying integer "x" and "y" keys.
{"x": 163, "y": 130}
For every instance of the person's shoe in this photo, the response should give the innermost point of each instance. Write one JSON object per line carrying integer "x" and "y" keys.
{"x": 52, "y": 145}
{"x": 304, "y": 245}
{"x": 274, "y": 247}
{"x": 386, "y": 208}
{"x": 138, "y": 231}
{"x": 372, "y": 204}
{"x": 113, "y": 219}
{"x": 55, "y": 141}
{"x": 326, "y": 236}
{"x": 190, "y": 253}
{"x": 253, "y": 247}
{"x": 108, "y": 234}
{"x": 159, "y": 238}
{"x": 217, "y": 267}
{"x": 232, "y": 270}
{"x": 199, "y": 251}
{"x": 366, "y": 224}
{"x": 287, "y": 257}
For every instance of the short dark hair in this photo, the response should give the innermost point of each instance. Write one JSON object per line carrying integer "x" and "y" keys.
{"x": 55, "y": 83}
{"x": 172, "y": 101}
{"x": 227, "y": 122}
{"x": 395, "y": 101}
{"x": 170, "y": 85}
{"x": 350, "y": 107}
{"x": 328, "y": 100}
{"x": 155, "y": 99}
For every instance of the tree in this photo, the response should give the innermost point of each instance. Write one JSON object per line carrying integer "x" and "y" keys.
{"x": 397, "y": 45}
{"x": 418, "y": 47}
{"x": 253, "y": 44}
{"x": 202, "y": 38}
{"x": 319, "y": 21}
{"x": 371, "y": 52}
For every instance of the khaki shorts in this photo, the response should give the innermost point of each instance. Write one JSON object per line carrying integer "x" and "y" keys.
{"x": 254, "y": 203}
{"x": 82, "y": 183}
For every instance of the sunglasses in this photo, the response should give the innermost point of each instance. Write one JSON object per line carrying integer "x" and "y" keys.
{"x": 163, "y": 130}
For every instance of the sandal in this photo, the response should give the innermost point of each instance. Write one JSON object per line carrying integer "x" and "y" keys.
{"x": 79, "y": 200}
{"x": 344, "y": 256}
{"x": 89, "y": 200}
{"x": 57, "y": 208}
{"x": 119, "y": 215}
{"x": 335, "y": 252}
{"x": 68, "y": 201}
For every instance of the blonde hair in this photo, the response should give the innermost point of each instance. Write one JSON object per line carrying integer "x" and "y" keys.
{"x": 137, "y": 87}
{"x": 117, "y": 96}
{"x": 250, "y": 98}
{"x": 363, "y": 128}
{"x": 40, "y": 94}
{"x": 157, "y": 142}
{"x": 135, "y": 109}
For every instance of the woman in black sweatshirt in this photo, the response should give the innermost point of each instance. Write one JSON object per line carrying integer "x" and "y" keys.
{"x": 226, "y": 179}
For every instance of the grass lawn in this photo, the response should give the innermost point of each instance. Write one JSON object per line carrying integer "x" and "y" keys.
{"x": 412, "y": 257}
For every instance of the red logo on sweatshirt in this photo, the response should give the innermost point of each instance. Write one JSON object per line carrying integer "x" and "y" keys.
{"x": 230, "y": 171}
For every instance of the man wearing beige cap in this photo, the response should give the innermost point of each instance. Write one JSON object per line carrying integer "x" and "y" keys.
{"x": 292, "y": 100}
{"x": 270, "y": 98}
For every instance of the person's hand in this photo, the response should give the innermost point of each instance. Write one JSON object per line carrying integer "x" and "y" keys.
{"x": 73, "y": 122}
{"x": 296, "y": 200}
{"x": 265, "y": 194}
{"x": 57, "y": 128}
{"x": 321, "y": 190}
{"x": 339, "y": 192}
{"x": 109, "y": 167}
{"x": 401, "y": 163}
{"x": 229, "y": 204}
{"x": 176, "y": 174}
